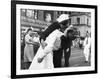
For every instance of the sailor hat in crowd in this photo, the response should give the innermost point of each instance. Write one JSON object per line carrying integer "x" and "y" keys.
{"x": 63, "y": 17}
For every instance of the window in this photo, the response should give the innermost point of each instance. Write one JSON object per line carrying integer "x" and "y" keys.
{"x": 32, "y": 13}
{"x": 48, "y": 16}
{"x": 23, "y": 12}
{"x": 78, "y": 20}
{"x": 35, "y": 14}
{"x": 87, "y": 21}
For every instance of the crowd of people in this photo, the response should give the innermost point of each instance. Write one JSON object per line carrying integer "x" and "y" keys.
{"x": 51, "y": 44}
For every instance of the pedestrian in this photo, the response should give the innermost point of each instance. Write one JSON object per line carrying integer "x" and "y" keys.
{"x": 28, "y": 50}
{"x": 87, "y": 45}
{"x": 80, "y": 43}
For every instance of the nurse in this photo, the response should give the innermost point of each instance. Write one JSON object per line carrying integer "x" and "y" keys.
{"x": 28, "y": 50}
{"x": 87, "y": 45}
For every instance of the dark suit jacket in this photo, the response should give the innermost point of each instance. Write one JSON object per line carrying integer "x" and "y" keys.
{"x": 65, "y": 42}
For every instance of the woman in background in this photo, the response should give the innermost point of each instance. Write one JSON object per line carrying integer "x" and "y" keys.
{"x": 28, "y": 50}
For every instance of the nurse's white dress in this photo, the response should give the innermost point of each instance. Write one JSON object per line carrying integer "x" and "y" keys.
{"x": 53, "y": 43}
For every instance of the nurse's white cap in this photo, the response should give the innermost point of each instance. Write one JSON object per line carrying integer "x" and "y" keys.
{"x": 63, "y": 17}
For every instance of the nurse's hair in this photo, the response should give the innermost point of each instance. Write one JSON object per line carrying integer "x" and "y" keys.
{"x": 67, "y": 29}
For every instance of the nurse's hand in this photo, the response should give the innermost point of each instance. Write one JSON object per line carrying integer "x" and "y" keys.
{"x": 43, "y": 44}
{"x": 40, "y": 60}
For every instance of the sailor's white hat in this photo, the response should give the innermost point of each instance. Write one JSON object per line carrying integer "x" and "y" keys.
{"x": 63, "y": 17}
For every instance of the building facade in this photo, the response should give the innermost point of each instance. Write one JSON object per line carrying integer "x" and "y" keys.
{"x": 82, "y": 21}
{"x": 41, "y": 19}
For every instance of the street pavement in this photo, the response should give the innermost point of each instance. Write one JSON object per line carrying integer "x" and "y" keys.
{"x": 77, "y": 58}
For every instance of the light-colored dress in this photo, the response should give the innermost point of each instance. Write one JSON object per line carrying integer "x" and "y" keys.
{"x": 53, "y": 43}
{"x": 28, "y": 50}
{"x": 87, "y": 45}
